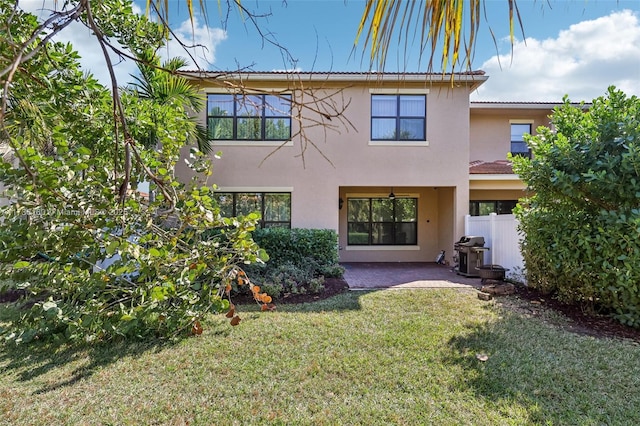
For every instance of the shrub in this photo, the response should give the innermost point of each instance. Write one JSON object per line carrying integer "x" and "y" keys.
{"x": 298, "y": 245}
{"x": 299, "y": 260}
{"x": 581, "y": 225}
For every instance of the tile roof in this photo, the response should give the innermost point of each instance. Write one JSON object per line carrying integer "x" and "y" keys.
{"x": 500, "y": 167}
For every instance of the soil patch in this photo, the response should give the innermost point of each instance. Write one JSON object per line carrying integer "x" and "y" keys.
{"x": 11, "y": 295}
{"x": 580, "y": 319}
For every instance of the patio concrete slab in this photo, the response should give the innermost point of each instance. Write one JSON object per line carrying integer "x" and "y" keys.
{"x": 403, "y": 275}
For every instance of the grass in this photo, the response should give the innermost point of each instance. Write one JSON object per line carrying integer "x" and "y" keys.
{"x": 405, "y": 357}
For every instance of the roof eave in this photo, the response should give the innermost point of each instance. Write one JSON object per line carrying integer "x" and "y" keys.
{"x": 473, "y": 79}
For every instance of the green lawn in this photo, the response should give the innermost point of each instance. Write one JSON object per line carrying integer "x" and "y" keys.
{"x": 407, "y": 357}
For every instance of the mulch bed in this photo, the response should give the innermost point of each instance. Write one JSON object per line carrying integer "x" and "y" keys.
{"x": 581, "y": 321}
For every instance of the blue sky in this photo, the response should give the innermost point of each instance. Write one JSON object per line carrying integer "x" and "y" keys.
{"x": 574, "y": 47}
{"x": 320, "y": 33}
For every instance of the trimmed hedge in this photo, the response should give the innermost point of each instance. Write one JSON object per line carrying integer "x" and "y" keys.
{"x": 299, "y": 245}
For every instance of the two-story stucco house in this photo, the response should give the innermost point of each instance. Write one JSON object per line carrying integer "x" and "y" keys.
{"x": 395, "y": 175}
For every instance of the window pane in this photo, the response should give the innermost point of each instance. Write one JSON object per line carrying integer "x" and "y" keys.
{"x": 392, "y": 221}
{"x": 358, "y": 210}
{"x": 358, "y": 233}
{"x": 519, "y": 148}
{"x": 506, "y": 207}
{"x": 518, "y": 131}
{"x": 384, "y": 106}
{"x": 277, "y": 106}
{"x": 249, "y": 128}
{"x": 382, "y": 233}
{"x": 277, "y": 207}
{"x": 249, "y": 106}
{"x": 406, "y": 210}
{"x": 248, "y": 203}
{"x": 278, "y": 129}
{"x": 486, "y": 207}
{"x": 225, "y": 202}
{"x": 220, "y": 105}
{"x": 220, "y": 128}
{"x": 406, "y": 233}
{"x": 381, "y": 210}
{"x": 412, "y": 106}
{"x": 383, "y": 128}
{"x": 412, "y": 129}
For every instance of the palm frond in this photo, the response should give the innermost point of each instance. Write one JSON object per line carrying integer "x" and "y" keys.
{"x": 440, "y": 23}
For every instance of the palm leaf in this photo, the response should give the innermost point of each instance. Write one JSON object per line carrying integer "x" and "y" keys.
{"x": 440, "y": 23}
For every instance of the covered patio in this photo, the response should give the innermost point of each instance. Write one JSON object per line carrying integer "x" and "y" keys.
{"x": 377, "y": 275}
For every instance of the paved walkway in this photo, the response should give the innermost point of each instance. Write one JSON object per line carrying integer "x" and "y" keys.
{"x": 375, "y": 275}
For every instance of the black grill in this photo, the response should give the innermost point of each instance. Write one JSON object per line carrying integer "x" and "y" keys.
{"x": 470, "y": 255}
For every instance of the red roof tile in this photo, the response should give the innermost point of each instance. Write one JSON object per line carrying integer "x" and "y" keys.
{"x": 500, "y": 167}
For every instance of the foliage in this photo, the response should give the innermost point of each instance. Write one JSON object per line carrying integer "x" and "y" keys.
{"x": 97, "y": 260}
{"x": 440, "y": 24}
{"x": 301, "y": 245}
{"x": 581, "y": 225}
{"x": 299, "y": 259}
{"x": 288, "y": 278}
{"x": 159, "y": 84}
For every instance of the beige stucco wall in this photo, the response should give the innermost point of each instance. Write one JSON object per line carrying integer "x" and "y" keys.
{"x": 490, "y": 130}
{"x": 496, "y": 194}
{"x": 352, "y": 161}
{"x": 490, "y": 140}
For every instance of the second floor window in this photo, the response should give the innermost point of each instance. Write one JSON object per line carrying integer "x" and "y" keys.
{"x": 518, "y": 145}
{"x": 249, "y": 117}
{"x": 398, "y": 117}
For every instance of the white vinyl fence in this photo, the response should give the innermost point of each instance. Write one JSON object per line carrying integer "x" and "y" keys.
{"x": 501, "y": 235}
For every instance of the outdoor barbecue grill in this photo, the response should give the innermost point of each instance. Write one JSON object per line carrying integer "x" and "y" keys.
{"x": 470, "y": 254}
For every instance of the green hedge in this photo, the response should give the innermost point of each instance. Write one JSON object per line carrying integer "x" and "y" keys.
{"x": 581, "y": 224}
{"x": 298, "y": 245}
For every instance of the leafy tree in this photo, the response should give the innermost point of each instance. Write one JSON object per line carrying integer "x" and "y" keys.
{"x": 160, "y": 84}
{"x": 97, "y": 261}
{"x": 581, "y": 226}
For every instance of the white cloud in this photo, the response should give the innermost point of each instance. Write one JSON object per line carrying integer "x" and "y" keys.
{"x": 201, "y": 42}
{"x": 84, "y": 42}
{"x": 205, "y": 39}
{"x": 581, "y": 61}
